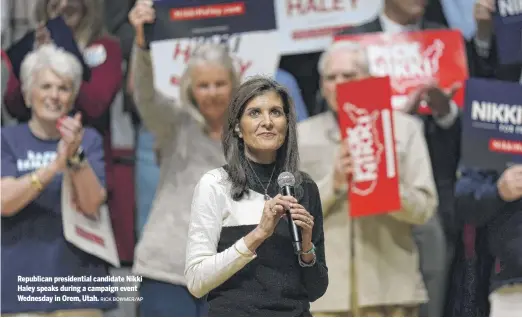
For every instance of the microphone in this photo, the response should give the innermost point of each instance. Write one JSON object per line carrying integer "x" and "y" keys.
{"x": 286, "y": 182}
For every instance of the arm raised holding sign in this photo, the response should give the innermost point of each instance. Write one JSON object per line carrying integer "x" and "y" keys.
{"x": 208, "y": 78}
{"x": 156, "y": 110}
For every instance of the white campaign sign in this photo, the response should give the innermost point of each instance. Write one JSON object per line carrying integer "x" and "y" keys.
{"x": 255, "y": 53}
{"x": 93, "y": 236}
{"x": 308, "y": 25}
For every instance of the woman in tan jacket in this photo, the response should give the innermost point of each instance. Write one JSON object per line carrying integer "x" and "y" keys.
{"x": 380, "y": 276}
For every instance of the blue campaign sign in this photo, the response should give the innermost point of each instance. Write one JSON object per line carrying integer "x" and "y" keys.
{"x": 508, "y": 30}
{"x": 177, "y": 19}
{"x": 492, "y": 124}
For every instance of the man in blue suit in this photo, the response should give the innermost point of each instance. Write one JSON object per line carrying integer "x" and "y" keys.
{"x": 494, "y": 201}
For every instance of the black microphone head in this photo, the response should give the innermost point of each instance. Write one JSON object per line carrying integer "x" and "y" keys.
{"x": 286, "y": 179}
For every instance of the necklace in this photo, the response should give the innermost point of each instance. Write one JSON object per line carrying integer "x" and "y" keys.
{"x": 267, "y": 197}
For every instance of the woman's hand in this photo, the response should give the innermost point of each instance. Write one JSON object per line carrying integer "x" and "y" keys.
{"x": 41, "y": 36}
{"x": 56, "y": 8}
{"x": 483, "y": 14}
{"x": 272, "y": 212}
{"x": 141, "y": 13}
{"x": 71, "y": 129}
{"x": 305, "y": 221}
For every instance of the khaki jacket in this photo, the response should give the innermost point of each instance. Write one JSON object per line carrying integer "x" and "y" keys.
{"x": 386, "y": 256}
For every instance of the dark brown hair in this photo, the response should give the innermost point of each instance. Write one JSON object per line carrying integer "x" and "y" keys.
{"x": 287, "y": 155}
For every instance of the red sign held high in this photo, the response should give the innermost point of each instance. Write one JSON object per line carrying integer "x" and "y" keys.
{"x": 412, "y": 59}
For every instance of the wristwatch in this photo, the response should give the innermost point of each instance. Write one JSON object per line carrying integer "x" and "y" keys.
{"x": 75, "y": 162}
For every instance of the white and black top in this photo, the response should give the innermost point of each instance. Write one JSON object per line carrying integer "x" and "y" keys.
{"x": 238, "y": 283}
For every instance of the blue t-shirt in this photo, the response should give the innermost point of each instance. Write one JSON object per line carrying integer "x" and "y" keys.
{"x": 33, "y": 244}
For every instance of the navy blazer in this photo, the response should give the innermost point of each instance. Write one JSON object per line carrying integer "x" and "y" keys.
{"x": 479, "y": 203}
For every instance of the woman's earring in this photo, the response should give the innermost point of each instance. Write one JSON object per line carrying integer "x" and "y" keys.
{"x": 238, "y": 132}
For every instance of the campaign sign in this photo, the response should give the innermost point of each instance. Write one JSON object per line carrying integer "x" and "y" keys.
{"x": 181, "y": 19}
{"x": 183, "y": 26}
{"x": 308, "y": 25}
{"x": 61, "y": 36}
{"x": 413, "y": 58}
{"x": 492, "y": 125}
{"x": 508, "y": 30}
{"x": 366, "y": 122}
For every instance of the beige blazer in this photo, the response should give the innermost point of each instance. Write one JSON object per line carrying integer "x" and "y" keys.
{"x": 386, "y": 257}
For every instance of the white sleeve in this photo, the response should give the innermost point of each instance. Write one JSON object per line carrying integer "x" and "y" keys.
{"x": 205, "y": 269}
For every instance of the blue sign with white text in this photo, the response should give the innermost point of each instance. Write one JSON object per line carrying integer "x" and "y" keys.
{"x": 508, "y": 30}
{"x": 492, "y": 125}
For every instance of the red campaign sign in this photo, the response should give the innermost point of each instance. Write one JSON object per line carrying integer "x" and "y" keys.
{"x": 413, "y": 58}
{"x": 366, "y": 122}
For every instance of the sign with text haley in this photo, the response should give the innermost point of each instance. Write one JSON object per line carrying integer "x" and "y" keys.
{"x": 413, "y": 58}
{"x": 182, "y": 26}
{"x": 508, "y": 30}
{"x": 492, "y": 124}
{"x": 366, "y": 123}
{"x": 308, "y": 25}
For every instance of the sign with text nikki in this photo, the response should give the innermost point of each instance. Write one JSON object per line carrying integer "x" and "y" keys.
{"x": 492, "y": 125}
{"x": 411, "y": 59}
{"x": 247, "y": 28}
{"x": 508, "y": 30}
{"x": 308, "y": 25}
{"x": 366, "y": 123}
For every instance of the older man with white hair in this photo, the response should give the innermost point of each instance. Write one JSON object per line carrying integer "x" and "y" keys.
{"x": 373, "y": 261}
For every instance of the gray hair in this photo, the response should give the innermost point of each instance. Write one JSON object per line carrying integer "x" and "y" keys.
{"x": 211, "y": 53}
{"x": 57, "y": 59}
{"x": 348, "y": 46}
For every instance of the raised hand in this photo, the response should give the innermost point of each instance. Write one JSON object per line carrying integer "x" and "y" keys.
{"x": 437, "y": 98}
{"x": 483, "y": 13}
{"x": 41, "y": 36}
{"x": 142, "y": 12}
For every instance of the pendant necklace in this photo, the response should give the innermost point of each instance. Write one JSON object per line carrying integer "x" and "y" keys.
{"x": 267, "y": 197}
